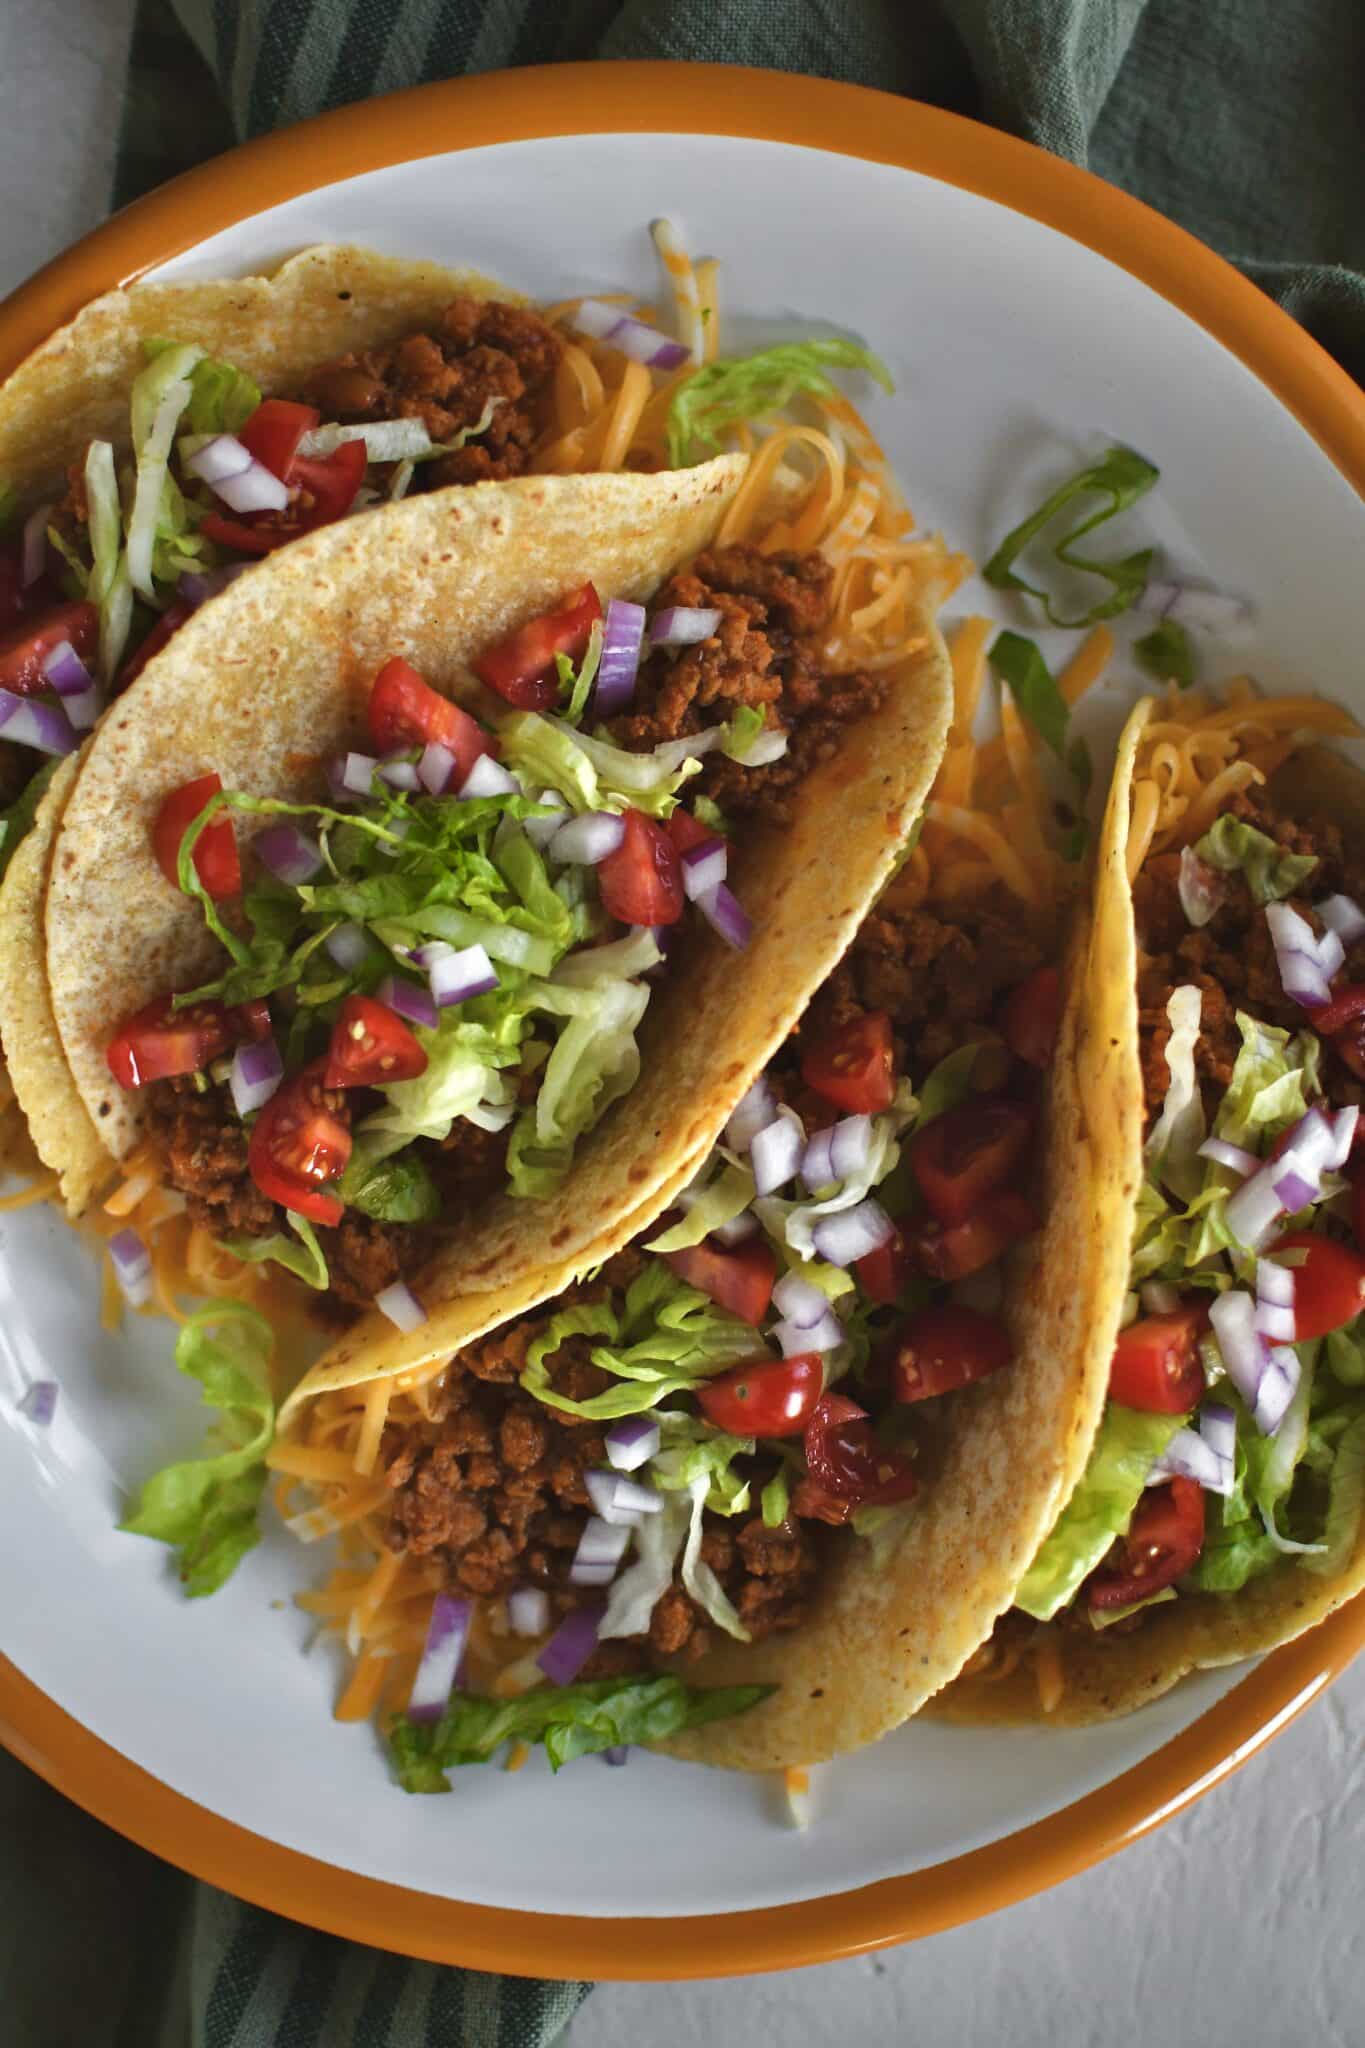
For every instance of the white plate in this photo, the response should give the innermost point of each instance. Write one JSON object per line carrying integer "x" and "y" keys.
{"x": 1014, "y": 351}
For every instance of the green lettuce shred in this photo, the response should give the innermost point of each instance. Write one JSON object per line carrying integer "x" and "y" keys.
{"x": 664, "y": 1337}
{"x": 17, "y": 819}
{"x": 1167, "y": 653}
{"x": 744, "y": 389}
{"x": 300, "y": 1254}
{"x": 1271, "y": 874}
{"x": 1108, "y": 1491}
{"x": 1119, "y": 479}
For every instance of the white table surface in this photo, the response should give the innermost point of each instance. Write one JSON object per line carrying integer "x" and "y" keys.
{"x": 1239, "y": 1924}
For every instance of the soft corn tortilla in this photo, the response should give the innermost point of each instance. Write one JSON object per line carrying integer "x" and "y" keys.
{"x": 320, "y": 304}
{"x": 1107, "y": 1673}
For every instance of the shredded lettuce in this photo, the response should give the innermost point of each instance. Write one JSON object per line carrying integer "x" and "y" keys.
{"x": 699, "y": 1581}
{"x": 1167, "y": 654}
{"x": 300, "y": 1254}
{"x": 1020, "y": 664}
{"x": 575, "y": 686}
{"x": 749, "y": 388}
{"x": 222, "y": 399}
{"x": 17, "y": 819}
{"x": 595, "y": 1060}
{"x": 1172, "y": 1150}
{"x": 727, "y": 1194}
{"x": 394, "y": 1188}
{"x": 636, "y": 1592}
{"x": 206, "y": 1507}
{"x": 109, "y": 587}
{"x": 947, "y": 1084}
{"x": 793, "y": 1222}
{"x": 775, "y": 1499}
{"x": 663, "y": 1338}
{"x": 1119, "y": 478}
{"x": 1100, "y": 1509}
{"x": 568, "y": 1721}
{"x": 463, "y": 1078}
{"x": 1345, "y": 1504}
{"x": 160, "y": 395}
{"x": 1237, "y": 848}
{"x": 693, "y": 1450}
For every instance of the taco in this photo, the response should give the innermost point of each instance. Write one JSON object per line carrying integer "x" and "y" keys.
{"x": 756, "y": 1482}
{"x": 1220, "y": 1512}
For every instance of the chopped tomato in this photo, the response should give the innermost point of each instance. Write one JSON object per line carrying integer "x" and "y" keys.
{"x": 815, "y": 1503}
{"x": 406, "y": 712}
{"x": 241, "y": 538}
{"x": 170, "y": 622}
{"x": 521, "y": 668}
{"x": 739, "y": 1277}
{"x": 371, "y": 1046}
{"x": 882, "y": 1274}
{"x": 328, "y": 485}
{"x": 1343, "y": 1022}
{"x": 216, "y": 861}
{"x": 1156, "y": 1362}
{"x": 1164, "y": 1538}
{"x": 767, "y": 1397}
{"x": 641, "y": 883}
{"x": 26, "y": 646}
{"x": 1329, "y": 1287}
{"x": 854, "y": 1068}
{"x": 945, "y": 1346}
{"x": 1033, "y": 1015}
{"x": 158, "y": 1041}
{"x": 686, "y": 831}
{"x": 952, "y": 1251}
{"x": 274, "y": 431}
{"x": 846, "y": 1460}
{"x": 968, "y": 1152}
{"x": 300, "y": 1144}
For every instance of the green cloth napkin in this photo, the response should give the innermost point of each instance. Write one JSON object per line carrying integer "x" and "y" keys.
{"x": 1241, "y": 119}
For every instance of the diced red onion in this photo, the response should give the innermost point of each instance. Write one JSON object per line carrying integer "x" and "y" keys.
{"x": 800, "y": 1302}
{"x": 621, "y": 1502}
{"x": 196, "y": 589}
{"x": 776, "y": 1153}
{"x": 399, "y": 773}
{"x": 132, "y": 1267}
{"x": 622, "y": 632}
{"x": 457, "y": 976}
{"x": 1188, "y": 1456}
{"x": 436, "y": 769}
{"x": 618, "y": 1754}
{"x": 703, "y": 867}
{"x": 826, "y": 1333}
{"x": 726, "y": 916}
{"x": 601, "y": 1547}
{"x": 835, "y": 1153}
{"x": 1331, "y": 954}
{"x": 1296, "y": 955}
{"x": 1159, "y": 1298}
{"x": 28, "y": 722}
{"x": 751, "y": 1114}
{"x": 401, "y": 1306}
{"x": 1275, "y": 1282}
{"x": 586, "y": 840}
{"x": 1218, "y": 1427}
{"x": 408, "y": 999}
{"x": 1254, "y": 1210}
{"x": 1201, "y": 888}
{"x": 528, "y": 1611}
{"x": 632, "y": 1442}
{"x": 1344, "y": 1126}
{"x": 349, "y": 946}
{"x": 33, "y": 560}
{"x": 38, "y": 1403}
{"x": 1274, "y": 1323}
{"x": 357, "y": 773}
{"x": 1240, "y": 1344}
{"x": 765, "y": 747}
{"x": 1195, "y": 604}
{"x": 66, "y": 672}
{"x": 238, "y": 478}
{"x": 1279, "y": 1384}
{"x": 571, "y": 1645}
{"x": 442, "y": 1655}
{"x": 635, "y": 338}
{"x": 737, "y": 1228}
{"x": 1295, "y": 1188}
{"x": 289, "y": 854}
{"x": 851, "y": 1234}
{"x": 257, "y": 1071}
{"x": 683, "y": 625}
{"x": 488, "y": 778}
{"x": 1344, "y": 916}
{"x": 1234, "y": 1156}
{"x": 540, "y": 831}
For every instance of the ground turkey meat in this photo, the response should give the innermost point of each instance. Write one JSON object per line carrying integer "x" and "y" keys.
{"x": 765, "y": 653}
{"x": 495, "y": 1490}
{"x": 1231, "y": 959}
{"x": 477, "y": 350}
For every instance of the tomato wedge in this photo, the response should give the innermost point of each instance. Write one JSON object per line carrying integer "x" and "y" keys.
{"x": 815, "y": 1503}
{"x": 1164, "y": 1538}
{"x": 846, "y": 1460}
{"x": 371, "y": 1046}
{"x": 945, "y": 1346}
{"x": 766, "y": 1397}
{"x": 300, "y": 1144}
{"x": 854, "y": 1067}
{"x": 1156, "y": 1362}
{"x": 1343, "y": 1022}
{"x": 25, "y": 647}
{"x": 954, "y": 1251}
{"x": 274, "y": 431}
{"x": 968, "y": 1152}
{"x": 158, "y": 1041}
{"x": 641, "y": 883}
{"x": 1329, "y": 1287}
{"x": 882, "y": 1274}
{"x": 738, "y": 1277}
{"x": 521, "y": 668}
{"x": 406, "y": 712}
{"x": 686, "y": 831}
{"x": 1033, "y": 1015}
{"x": 216, "y": 860}
{"x": 328, "y": 485}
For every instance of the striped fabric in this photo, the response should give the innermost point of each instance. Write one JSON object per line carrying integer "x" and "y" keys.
{"x": 1240, "y": 118}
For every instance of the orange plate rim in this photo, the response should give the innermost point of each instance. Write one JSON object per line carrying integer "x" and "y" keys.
{"x": 594, "y": 99}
